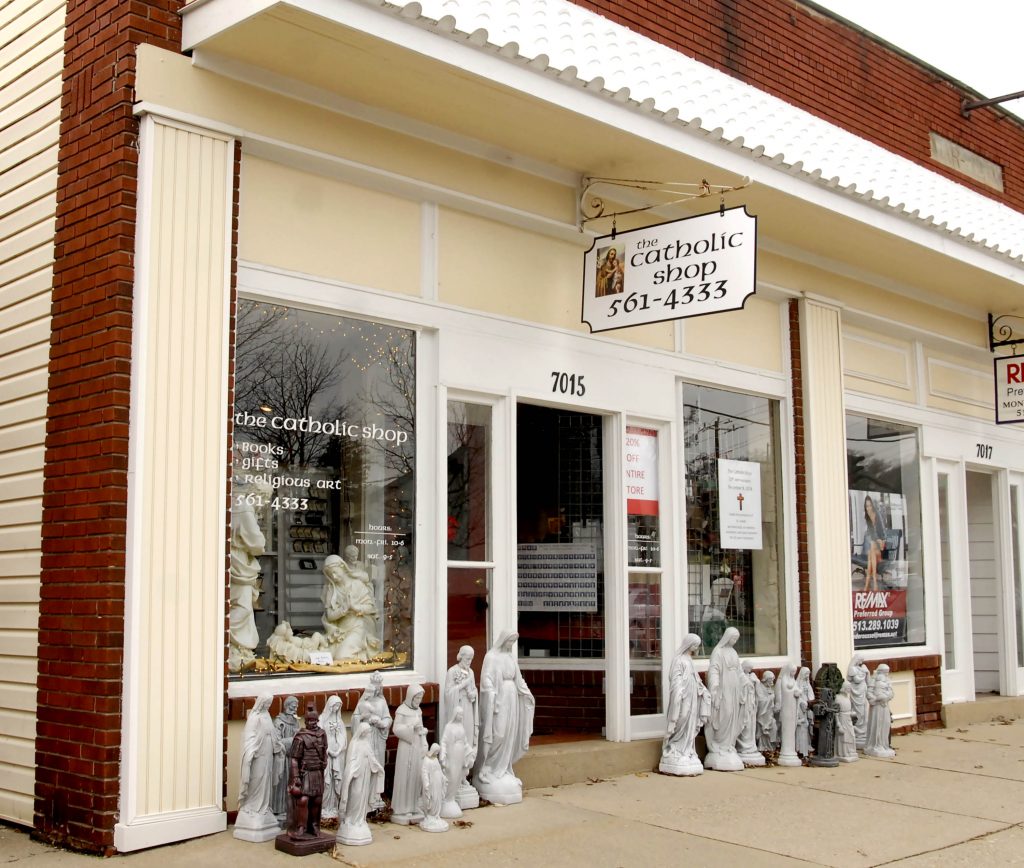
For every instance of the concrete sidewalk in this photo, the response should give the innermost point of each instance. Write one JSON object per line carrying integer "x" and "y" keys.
{"x": 951, "y": 797}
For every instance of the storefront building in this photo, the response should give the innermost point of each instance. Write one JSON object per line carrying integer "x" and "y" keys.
{"x": 314, "y": 281}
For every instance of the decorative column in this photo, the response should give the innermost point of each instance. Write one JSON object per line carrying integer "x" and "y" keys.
{"x": 173, "y": 730}
{"x": 825, "y": 453}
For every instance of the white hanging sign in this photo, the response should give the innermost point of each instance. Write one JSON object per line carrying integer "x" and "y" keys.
{"x": 1009, "y": 377}
{"x": 684, "y": 268}
{"x": 739, "y": 504}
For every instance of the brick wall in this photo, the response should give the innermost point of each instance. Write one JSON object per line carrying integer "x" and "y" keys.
{"x": 567, "y": 701}
{"x": 927, "y": 688}
{"x": 800, "y": 473}
{"x": 81, "y": 623}
{"x": 831, "y": 70}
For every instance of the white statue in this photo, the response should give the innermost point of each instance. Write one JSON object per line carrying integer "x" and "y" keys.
{"x": 880, "y": 694}
{"x": 363, "y": 779}
{"x": 689, "y": 707}
{"x": 859, "y": 678}
{"x": 286, "y": 724}
{"x": 460, "y": 692}
{"x": 746, "y": 743}
{"x": 846, "y": 735}
{"x": 256, "y": 822}
{"x": 805, "y": 717}
{"x": 373, "y": 708}
{"x": 412, "y": 748}
{"x": 350, "y": 608}
{"x": 788, "y": 696}
{"x": 247, "y": 544}
{"x": 767, "y": 722}
{"x": 725, "y": 684}
{"x": 506, "y": 723}
{"x": 432, "y": 781}
{"x": 456, "y": 759}
{"x": 337, "y": 742}
{"x": 284, "y": 645}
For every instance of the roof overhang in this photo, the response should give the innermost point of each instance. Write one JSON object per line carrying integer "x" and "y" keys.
{"x": 459, "y": 85}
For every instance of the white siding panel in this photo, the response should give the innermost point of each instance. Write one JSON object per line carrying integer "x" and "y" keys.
{"x": 31, "y": 60}
{"x": 17, "y": 153}
{"x": 174, "y": 723}
{"x": 17, "y": 591}
{"x": 42, "y": 183}
{"x": 17, "y": 291}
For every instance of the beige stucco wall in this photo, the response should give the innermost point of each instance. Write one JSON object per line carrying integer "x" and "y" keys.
{"x": 32, "y": 36}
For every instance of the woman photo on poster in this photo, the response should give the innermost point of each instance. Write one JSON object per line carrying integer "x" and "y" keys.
{"x": 874, "y": 543}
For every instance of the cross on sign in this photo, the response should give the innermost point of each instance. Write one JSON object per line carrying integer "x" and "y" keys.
{"x": 739, "y": 498}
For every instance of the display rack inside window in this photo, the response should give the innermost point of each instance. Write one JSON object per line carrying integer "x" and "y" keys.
{"x": 733, "y": 539}
{"x": 322, "y": 548}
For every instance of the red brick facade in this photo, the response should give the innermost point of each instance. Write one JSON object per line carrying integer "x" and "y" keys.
{"x": 81, "y": 623}
{"x": 792, "y": 51}
{"x": 800, "y": 473}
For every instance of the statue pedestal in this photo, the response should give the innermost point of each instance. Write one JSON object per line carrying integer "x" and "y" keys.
{"x": 790, "y": 760}
{"x": 256, "y": 828}
{"x": 407, "y": 819}
{"x": 723, "y": 762}
{"x": 467, "y": 797}
{"x": 450, "y": 809}
{"x": 354, "y": 835}
{"x": 686, "y": 767}
{"x": 433, "y": 824}
{"x": 507, "y": 790}
{"x": 754, "y": 759}
{"x": 304, "y": 846}
{"x": 880, "y": 752}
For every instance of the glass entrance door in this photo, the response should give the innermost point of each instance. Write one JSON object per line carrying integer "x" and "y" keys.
{"x": 954, "y": 568}
{"x": 561, "y": 580}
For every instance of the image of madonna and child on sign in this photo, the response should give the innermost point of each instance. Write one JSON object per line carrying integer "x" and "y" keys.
{"x": 611, "y": 271}
{"x": 878, "y": 557}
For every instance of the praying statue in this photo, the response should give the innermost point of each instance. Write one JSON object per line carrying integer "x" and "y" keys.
{"x": 859, "y": 679}
{"x": 767, "y": 723}
{"x": 746, "y": 743}
{"x": 846, "y": 736}
{"x": 247, "y": 544}
{"x": 373, "y": 708}
{"x": 337, "y": 743}
{"x": 725, "y": 684}
{"x": 788, "y": 697}
{"x": 255, "y": 821}
{"x": 351, "y": 619}
{"x": 363, "y": 779}
{"x": 456, "y": 761}
{"x": 432, "y": 783}
{"x": 506, "y": 723}
{"x": 460, "y": 693}
{"x": 689, "y": 707}
{"x": 287, "y": 724}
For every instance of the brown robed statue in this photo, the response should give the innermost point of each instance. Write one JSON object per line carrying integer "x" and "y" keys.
{"x": 308, "y": 756}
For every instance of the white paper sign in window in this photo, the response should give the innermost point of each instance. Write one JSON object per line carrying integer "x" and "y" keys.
{"x": 739, "y": 493}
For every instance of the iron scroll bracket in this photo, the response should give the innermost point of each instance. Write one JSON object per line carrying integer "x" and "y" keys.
{"x": 1004, "y": 334}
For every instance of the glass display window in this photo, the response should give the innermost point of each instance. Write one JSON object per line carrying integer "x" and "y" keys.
{"x": 734, "y": 527}
{"x": 884, "y": 501}
{"x": 323, "y": 492}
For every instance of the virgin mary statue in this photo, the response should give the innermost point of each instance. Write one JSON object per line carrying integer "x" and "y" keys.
{"x": 725, "y": 684}
{"x": 506, "y": 723}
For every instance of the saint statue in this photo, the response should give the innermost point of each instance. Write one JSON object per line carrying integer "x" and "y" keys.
{"x": 247, "y": 544}
{"x": 689, "y": 707}
{"x": 767, "y": 723}
{"x": 308, "y": 758}
{"x": 456, "y": 761}
{"x": 460, "y": 693}
{"x": 337, "y": 741}
{"x": 805, "y": 717}
{"x": 350, "y": 608}
{"x": 859, "y": 678}
{"x": 746, "y": 743}
{"x": 846, "y": 736}
{"x": 373, "y": 708}
{"x": 432, "y": 783}
{"x": 880, "y": 694}
{"x": 363, "y": 779}
{"x": 506, "y": 723}
{"x": 286, "y": 724}
{"x": 725, "y": 684}
{"x": 256, "y": 822}
{"x": 412, "y": 747}
{"x": 788, "y": 696}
